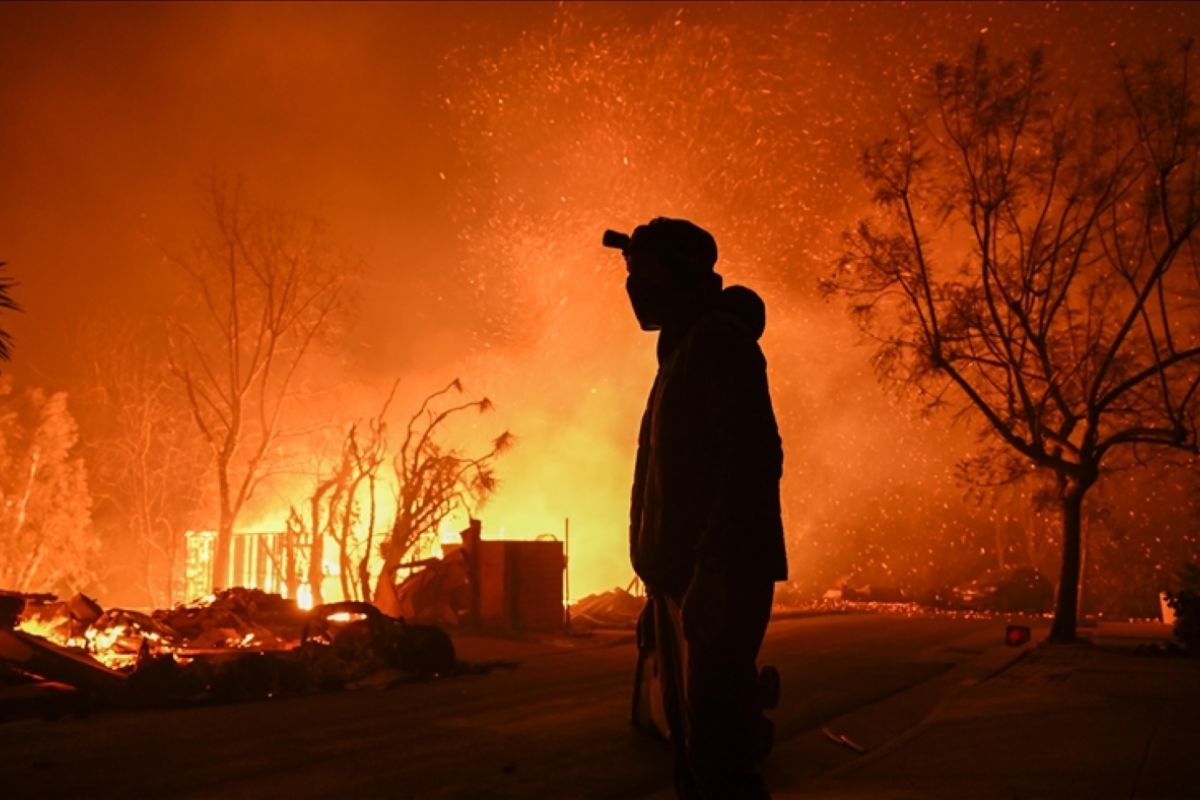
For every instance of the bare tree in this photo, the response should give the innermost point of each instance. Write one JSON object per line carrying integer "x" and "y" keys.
{"x": 146, "y": 458}
{"x": 316, "y": 526}
{"x": 366, "y": 450}
{"x": 433, "y": 481}
{"x": 1031, "y": 265}
{"x": 336, "y": 508}
{"x": 265, "y": 288}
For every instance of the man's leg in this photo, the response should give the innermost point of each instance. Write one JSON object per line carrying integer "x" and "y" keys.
{"x": 725, "y": 720}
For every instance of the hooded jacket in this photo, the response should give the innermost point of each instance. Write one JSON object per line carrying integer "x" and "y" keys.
{"x": 706, "y": 481}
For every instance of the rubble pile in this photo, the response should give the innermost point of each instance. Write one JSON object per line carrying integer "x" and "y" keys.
{"x": 122, "y": 635}
{"x": 616, "y": 608}
{"x": 240, "y": 644}
{"x": 232, "y": 618}
{"x": 237, "y": 617}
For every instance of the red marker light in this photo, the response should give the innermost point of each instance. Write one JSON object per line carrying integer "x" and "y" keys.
{"x": 1016, "y": 635}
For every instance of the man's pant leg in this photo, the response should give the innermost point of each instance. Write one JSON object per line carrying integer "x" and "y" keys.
{"x": 672, "y": 657}
{"x": 724, "y": 719}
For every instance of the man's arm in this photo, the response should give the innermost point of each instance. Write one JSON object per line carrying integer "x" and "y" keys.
{"x": 638, "y": 495}
{"x": 743, "y": 450}
{"x": 742, "y": 456}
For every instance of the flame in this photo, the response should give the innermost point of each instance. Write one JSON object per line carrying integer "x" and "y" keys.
{"x": 51, "y": 630}
{"x": 304, "y": 597}
{"x": 115, "y": 647}
{"x": 119, "y": 643}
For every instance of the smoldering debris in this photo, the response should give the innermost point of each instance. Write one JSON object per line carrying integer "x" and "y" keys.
{"x": 241, "y": 644}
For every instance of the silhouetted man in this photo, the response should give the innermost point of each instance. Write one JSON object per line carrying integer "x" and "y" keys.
{"x": 705, "y": 530}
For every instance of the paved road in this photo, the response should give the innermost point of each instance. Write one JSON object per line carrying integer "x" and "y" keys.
{"x": 554, "y": 726}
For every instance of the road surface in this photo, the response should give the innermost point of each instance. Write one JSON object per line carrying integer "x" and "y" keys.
{"x": 555, "y": 725}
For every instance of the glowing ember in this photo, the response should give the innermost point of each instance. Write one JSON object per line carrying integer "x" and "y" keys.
{"x": 118, "y": 638}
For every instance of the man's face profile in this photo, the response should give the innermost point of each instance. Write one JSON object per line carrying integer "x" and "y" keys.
{"x": 647, "y": 288}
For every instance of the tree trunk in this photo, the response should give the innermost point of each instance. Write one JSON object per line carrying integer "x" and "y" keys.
{"x": 316, "y": 568}
{"x": 222, "y": 550}
{"x": 316, "y": 550}
{"x": 364, "y": 564}
{"x": 364, "y": 578}
{"x": 224, "y": 543}
{"x": 291, "y": 576}
{"x": 1081, "y": 608}
{"x": 345, "y": 568}
{"x": 394, "y": 552}
{"x": 1066, "y": 610}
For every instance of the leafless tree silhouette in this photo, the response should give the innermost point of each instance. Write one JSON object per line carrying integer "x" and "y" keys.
{"x": 1031, "y": 264}
{"x": 433, "y": 481}
{"x": 265, "y": 287}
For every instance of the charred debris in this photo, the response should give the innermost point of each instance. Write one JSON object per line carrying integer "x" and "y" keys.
{"x": 59, "y": 657}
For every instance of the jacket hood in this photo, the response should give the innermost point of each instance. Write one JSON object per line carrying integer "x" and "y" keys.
{"x": 742, "y": 304}
{"x": 747, "y": 307}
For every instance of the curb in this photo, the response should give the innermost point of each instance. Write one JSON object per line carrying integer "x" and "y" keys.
{"x": 965, "y": 677}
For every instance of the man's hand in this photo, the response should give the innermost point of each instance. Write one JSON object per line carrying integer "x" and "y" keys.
{"x": 703, "y": 608}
